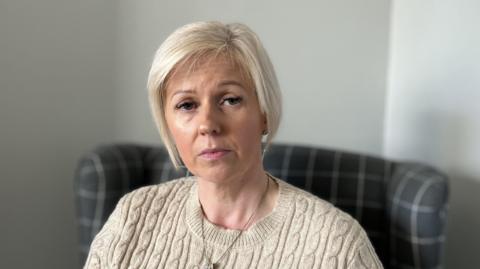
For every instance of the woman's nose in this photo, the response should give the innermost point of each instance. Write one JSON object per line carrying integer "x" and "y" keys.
{"x": 209, "y": 121}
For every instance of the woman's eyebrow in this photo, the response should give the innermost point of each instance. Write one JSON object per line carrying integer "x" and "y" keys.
{"x": 222, "y": 83}
{"x": 182, "y": 92}
{"x": 230, "y": 82}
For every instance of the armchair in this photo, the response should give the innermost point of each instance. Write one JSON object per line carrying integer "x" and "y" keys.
{"x": 401, "y": 205}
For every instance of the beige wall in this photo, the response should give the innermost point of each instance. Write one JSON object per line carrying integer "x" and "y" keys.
{"x": 56, "y": 101}
{"x": 433, "y": 112}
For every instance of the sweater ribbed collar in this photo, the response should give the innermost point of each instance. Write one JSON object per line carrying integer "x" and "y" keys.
{"x": 255, "y": 234}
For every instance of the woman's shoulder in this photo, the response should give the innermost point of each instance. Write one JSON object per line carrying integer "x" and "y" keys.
{"x": 143, "y": 205}
{"x": 324, "y": 222}
{"x": 152, "y": 200}
{"x": 305, "y": 201}
{"x": 162, "y": 190}
{"x": 318, "y": 209}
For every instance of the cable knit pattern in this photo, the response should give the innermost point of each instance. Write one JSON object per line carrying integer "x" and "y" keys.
{"x": 160, "y": 227}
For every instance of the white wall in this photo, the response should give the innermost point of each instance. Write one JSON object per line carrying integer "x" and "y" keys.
{"x": 330, "y": 57}
{"x": 56, "y": 102}
{"x": 433, "y": 112}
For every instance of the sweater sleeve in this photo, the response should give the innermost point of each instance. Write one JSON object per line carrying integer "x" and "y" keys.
{"x": 364, "y": 256}
{"x": 103, "y": 243}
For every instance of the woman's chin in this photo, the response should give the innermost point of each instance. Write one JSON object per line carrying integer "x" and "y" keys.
{"x": 215, "y": 174}
{"x": 215, "y": 168}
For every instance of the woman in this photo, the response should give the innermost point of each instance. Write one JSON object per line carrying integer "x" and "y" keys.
{"x": 215, "y": 97}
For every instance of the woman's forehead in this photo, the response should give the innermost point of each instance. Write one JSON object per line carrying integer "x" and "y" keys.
{"x": 206, "y": 70}
{"x": 195, "y": 64}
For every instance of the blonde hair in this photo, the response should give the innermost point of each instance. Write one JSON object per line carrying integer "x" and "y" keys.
{"x": 203, "y": 39}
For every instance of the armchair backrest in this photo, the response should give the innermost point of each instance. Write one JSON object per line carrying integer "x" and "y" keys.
{"x": 402, "y": 206}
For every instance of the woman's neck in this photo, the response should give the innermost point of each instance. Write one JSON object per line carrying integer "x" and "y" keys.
{"x": 231, "y": 203}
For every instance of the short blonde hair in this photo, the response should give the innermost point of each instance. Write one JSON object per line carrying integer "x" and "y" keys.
{"x": 200, "y": 39}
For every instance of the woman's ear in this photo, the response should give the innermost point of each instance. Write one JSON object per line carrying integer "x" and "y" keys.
{"x": 264, "y": 125}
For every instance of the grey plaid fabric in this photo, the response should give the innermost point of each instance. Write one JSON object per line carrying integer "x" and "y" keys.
{"x": 402, "y": 206}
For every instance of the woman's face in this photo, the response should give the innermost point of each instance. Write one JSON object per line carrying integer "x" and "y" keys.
{"x": 215, "y": 120}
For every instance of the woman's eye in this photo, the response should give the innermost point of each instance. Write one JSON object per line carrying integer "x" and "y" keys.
{"x": 232, "y": 100}
{"x": 186, "y": 106}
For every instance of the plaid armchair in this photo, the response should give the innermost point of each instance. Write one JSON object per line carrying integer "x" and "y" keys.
{"x": 401, "y": 205}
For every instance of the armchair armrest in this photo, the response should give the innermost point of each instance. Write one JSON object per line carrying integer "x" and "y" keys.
{"x": 417, "y": 198}
{"x": 102, "y": 177}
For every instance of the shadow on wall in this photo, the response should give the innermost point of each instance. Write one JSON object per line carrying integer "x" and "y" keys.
{"x": 454, "y": 147}
{"x": 463, "y": 230}
{"x": 447, "y": 135}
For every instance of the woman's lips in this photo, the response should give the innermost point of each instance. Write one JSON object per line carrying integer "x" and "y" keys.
{"x": 214, "y": 154}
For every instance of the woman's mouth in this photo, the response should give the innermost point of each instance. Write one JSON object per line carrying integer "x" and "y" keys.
{"x": 214, "y": 154}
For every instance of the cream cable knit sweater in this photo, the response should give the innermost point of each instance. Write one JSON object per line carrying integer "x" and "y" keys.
{"x": 160, "y": 226}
